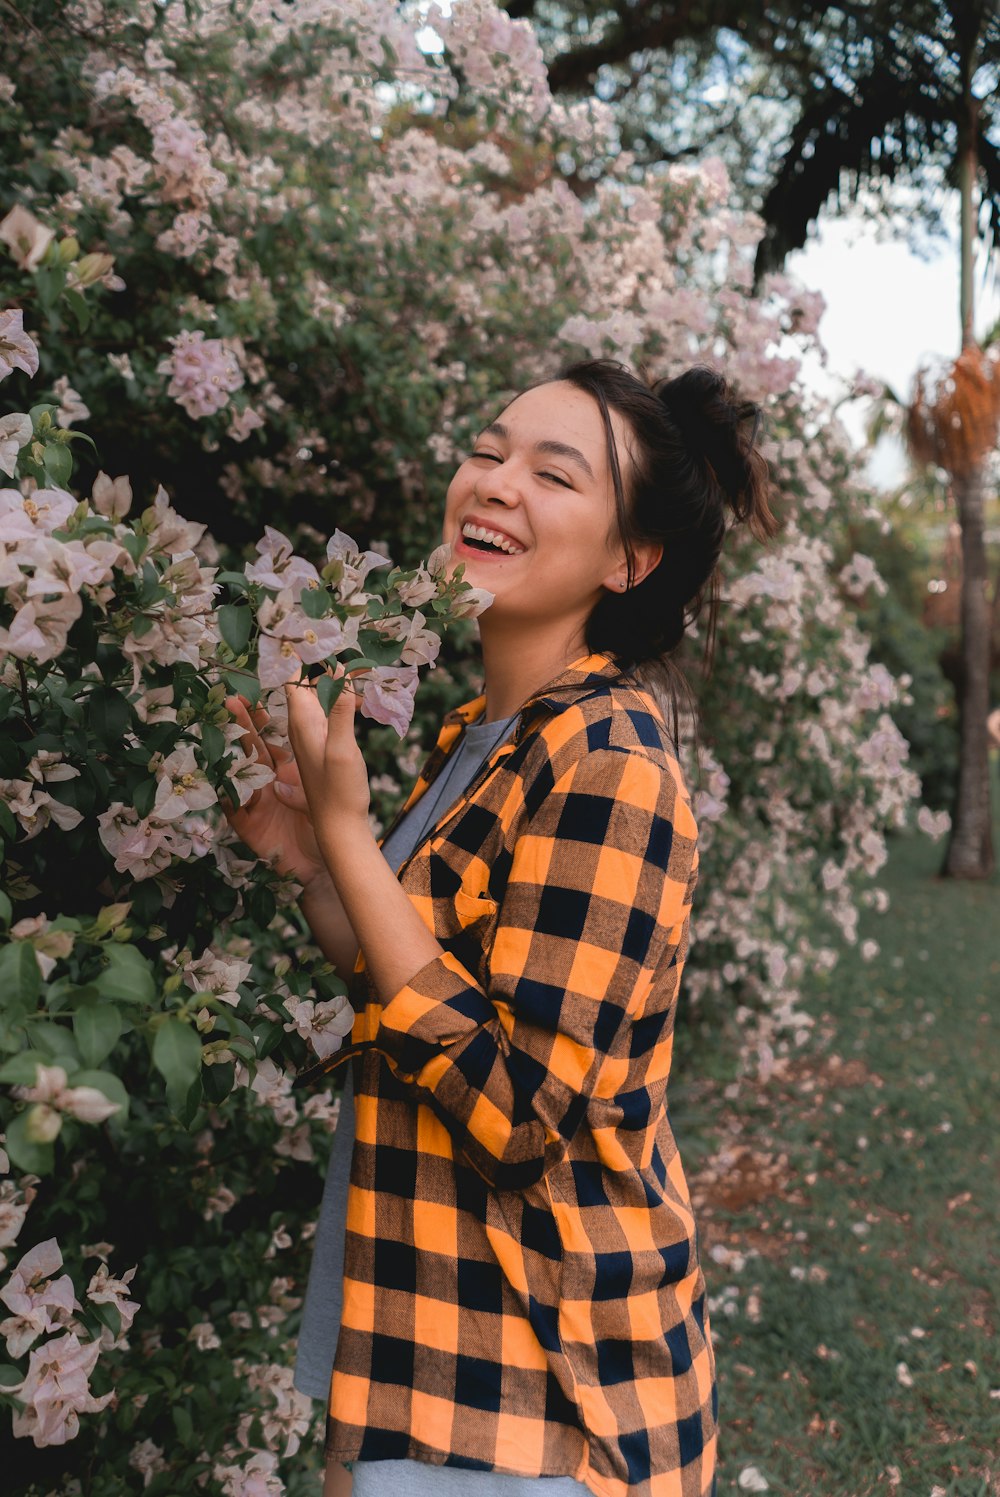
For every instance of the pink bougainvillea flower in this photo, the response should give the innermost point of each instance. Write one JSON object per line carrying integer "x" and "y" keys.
{"x": 388, "y": 695}
{"x": 203, "y": 371}
{"x": 16, "y": 349}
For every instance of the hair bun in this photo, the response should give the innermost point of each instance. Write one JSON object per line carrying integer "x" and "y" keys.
{"x": 719, "y": 430}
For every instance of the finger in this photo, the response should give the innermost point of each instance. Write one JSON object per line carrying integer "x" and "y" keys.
{"x": 277, "y": 750}
{"x": 250, "y": 739}
{"x": 292, "y": 796}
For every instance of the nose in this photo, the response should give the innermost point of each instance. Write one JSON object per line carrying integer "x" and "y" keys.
{"x": 498, "y": 484}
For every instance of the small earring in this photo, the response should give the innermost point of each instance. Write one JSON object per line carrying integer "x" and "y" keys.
{"x": 621, "y": 582}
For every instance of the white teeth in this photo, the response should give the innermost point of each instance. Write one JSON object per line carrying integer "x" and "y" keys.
{"x": 492, "y": 537}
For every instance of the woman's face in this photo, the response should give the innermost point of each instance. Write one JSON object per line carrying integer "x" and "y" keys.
{"x": 538, "y": 478}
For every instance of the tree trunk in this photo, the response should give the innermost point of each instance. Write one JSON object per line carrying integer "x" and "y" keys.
{"x": 970, "y": 848}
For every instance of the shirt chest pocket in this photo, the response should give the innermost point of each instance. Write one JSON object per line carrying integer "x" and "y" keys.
{"x": 471, "y": 909}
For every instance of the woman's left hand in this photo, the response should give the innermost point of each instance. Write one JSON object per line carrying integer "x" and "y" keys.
{"x": 330, "y": 763}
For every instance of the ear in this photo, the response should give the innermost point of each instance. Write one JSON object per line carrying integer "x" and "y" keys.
{"x": 646, "y": 558}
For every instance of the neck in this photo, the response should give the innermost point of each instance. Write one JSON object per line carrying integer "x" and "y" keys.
{"x": 518, "y": 663}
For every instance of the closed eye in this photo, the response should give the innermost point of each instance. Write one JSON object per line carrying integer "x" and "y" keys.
{"x": 553, "y": 477}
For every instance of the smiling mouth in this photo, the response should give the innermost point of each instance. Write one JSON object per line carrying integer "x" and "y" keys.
{"x": 488, "y": 542}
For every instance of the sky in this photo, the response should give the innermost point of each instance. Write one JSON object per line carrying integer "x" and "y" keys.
{"x": 888, "y": 310}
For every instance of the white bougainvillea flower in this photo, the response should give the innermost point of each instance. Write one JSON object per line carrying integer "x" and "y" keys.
{"x": 247, "y": 774}
{"x": 166, "y": 529}
{"x": 111, "y": 497}
{"x": 387, "y": 696}
{"x": 321, "y": 1025}
{"x": 439, "y": 559}
{"x": 56, "y": 1391}
{"x": 38, "y": 1302}
{"x": 68, "y": 566}
{"x": 103, "y": 1289}
{"x": 289, "y": 638}
{"x": 85, "y": 1103}
{"x": 182, "y": 786}
{"x": 140, "y": 846}
{"x": 35, "y": 809}
{"x": 357, "y": 564}
{"x": 15, "y": 433}
{"x": 419, "y": 590}
{"x": 39, "y": 630}
{"x": 278, "y": 566}
{"x": 13, "y": 1210}
{"x": 24, "y": 515}
{"x": 422, "y": 645}
{"x": 25, "y": 237}
{"x": 216, "y": 974}
{"x": 71, "y": 404}
{"x": 156, "y": 705}
{"x": 16, "y": 349}
{"x": 469, "y": 604}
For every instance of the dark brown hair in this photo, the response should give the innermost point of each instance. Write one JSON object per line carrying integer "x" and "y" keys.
{"x": 692, "y": 460}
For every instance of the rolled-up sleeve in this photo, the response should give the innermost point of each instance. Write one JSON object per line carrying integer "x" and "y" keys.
{"x": 596, "y": 903}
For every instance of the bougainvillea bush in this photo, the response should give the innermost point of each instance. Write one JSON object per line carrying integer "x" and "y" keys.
{"x": 280, "y": 268}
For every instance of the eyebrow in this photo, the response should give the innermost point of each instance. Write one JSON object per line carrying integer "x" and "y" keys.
{"x": 558, "y": 449}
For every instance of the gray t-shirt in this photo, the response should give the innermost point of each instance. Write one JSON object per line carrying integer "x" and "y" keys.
{"x": 323, "y": 1302}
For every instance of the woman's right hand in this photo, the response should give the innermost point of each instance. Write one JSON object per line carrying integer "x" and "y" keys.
{"x": 274, "y": 824}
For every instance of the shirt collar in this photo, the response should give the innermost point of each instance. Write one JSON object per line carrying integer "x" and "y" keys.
{"x": 578, "y": 679}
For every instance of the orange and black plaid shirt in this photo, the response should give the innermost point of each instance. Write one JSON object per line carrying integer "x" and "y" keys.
{"x": 522, "y": 1290}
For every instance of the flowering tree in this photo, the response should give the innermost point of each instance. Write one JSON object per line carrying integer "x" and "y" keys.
{"x": 284, "y": 267}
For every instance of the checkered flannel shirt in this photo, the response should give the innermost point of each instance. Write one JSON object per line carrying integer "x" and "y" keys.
{"x": 522, "y": 1290}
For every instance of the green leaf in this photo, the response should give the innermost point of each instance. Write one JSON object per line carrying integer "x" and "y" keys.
{"x": 97, "y": 1027}
{"x": 79, "y": 308}
{"x": 234, "y": 579}
{"x": 315, "y": 602}
{"x": 213, "y": 743}
{"x": 183, "y": 1424}
{"x": 177, "y": 1053}
{"x": 57, "y": 1039}
{"x": 217, "y": 1081}
{"x": 235, "y": 622}
{"x": 144, "y": 795}
{"x": 108, "y": 714}
{"x": 9, "y": 1375}
{"x": 35, "y": 1159}
{"x": 22, "y": 1069}
{"x": 128, "y": 977}
{"x": 19, "y": 974}
{"x": 58, "y": 461}
{"x": 107, "y": 1314}
{"x": 6, "y": 908}
{"x": 328, "y": 690}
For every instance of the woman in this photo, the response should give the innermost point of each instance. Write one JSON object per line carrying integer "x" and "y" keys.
{"x": 523, "y": 1307}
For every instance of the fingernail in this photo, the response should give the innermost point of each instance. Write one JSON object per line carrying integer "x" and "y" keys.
{"x": 282, "y": 789}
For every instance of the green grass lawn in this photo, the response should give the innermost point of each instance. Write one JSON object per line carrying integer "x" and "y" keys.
{"x": 856, "y": 1326}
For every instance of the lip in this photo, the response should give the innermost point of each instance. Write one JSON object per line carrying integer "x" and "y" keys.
{"x": 486, "y": 525}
